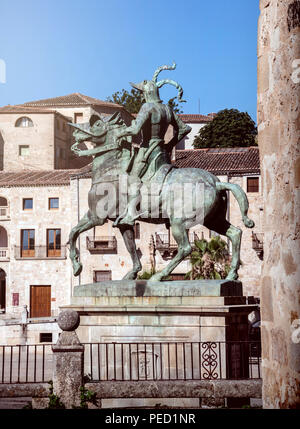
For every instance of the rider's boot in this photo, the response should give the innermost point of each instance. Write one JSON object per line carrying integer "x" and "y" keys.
{"x": 131, "y": 214}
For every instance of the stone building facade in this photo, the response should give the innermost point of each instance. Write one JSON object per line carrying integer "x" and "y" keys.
{"x": 278, "y": 138}
{"x": 33, "y": 139}
{"x": 36, "y": 135}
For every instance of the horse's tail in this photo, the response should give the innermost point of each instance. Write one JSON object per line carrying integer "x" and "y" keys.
{"x": 241, "y": 198}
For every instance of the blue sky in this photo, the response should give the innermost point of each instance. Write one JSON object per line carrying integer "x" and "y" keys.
{"x": 56, "y": 47}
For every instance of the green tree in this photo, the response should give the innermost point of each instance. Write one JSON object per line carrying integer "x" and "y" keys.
{"x": 133, "y": 100}
{"x": 210, "y": 260}
{"x": 229, "y": 128}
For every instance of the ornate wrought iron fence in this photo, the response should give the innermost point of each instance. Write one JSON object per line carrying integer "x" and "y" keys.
{"x": 172, "y": 361}
{"x": 138, "y": 361}
{"x": 26, "y": 364}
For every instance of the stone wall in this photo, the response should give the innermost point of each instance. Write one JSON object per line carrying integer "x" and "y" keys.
{"x": 278, "y": 126}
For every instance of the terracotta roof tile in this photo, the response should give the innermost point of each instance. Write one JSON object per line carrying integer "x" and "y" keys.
{"x": 220, "y": 161}
{"x": 35, "y": 178}
{"x": 75, "y": 99}
{"x": 217, "y": 161}
{"x": 30, "y": 110}
{"x": 195, "y": 118}
{"x": 24, "y": 109}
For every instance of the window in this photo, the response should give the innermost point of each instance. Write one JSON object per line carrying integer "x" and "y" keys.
{"x": 53, "y": 242}
{"x": 3, "y": 202}
{"x": 27, "y": 203}
{"x": 3, "y": 207}
{"x": 27, "y": 242}
{"x": 45, "y": 337}
{"x": 24, "y": 122}
{"x": 137, "y": 231}
{"x": 23, "y": 150}
{"x": 252, "y": 184}
{"x": 53, "y": 203}
{"x": 78, "y": 117}
{"x": 102, "y": 276}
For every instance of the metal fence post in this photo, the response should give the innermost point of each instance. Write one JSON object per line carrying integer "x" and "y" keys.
{"x": 68, "y": 360}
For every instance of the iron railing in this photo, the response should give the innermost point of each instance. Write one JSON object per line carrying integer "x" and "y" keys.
{"x": 40, "y": 252}
{"x": 166, "y": 242}
{"x": 103, "y": 243}
{"x": 26, "y": 364}
{"x": 4, "y": 253}
{"x": 172, "y": 361}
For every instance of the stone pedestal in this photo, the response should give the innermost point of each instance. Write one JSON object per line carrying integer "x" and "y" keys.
{"x": 162, "y": 312}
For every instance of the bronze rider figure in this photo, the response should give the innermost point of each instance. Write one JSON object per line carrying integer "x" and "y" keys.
{"x": 152, "y": 121}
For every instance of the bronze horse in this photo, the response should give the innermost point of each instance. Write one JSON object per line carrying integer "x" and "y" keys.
{"x": 113, "y": 156}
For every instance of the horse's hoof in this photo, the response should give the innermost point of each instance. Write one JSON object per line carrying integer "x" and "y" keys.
{"x": 232, "y": 276}
{"x": 155, "y": 278}
{"x": 130, "y": 276}
{"x": 77, "y": 270}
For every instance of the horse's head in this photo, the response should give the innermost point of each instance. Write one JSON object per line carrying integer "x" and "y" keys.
{"x": 96, "y": 129}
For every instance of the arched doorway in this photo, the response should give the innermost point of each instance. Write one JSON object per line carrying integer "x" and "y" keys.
{"x": 2, "y": 289}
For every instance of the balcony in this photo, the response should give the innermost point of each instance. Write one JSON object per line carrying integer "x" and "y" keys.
{"x": 40, "y": 252}
{"x": 4, "y": 254}
{"x": 166, "y": 244}
{"x": 103, "y": 244}
{"x": 258, "y": 243}
{"x": 4, "y": 213}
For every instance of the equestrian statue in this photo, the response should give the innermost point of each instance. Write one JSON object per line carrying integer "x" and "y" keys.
{"x": 116, "y": 154}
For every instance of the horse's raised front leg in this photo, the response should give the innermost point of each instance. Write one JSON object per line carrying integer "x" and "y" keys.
{"x": 128, "y": 237}
{"x": 83, "y": 225}
{"x": 180, "y": 235}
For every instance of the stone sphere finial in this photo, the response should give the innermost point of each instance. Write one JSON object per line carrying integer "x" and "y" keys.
{"x": 68, "y": 320}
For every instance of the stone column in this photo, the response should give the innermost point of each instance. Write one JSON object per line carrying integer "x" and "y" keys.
{"x": 278, "y": 139}
{"x": 68, "y": 360}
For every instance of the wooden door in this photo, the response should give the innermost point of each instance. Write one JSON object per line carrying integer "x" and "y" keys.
{"x": 53, "y": 242}
{"x": 40, "y": 301}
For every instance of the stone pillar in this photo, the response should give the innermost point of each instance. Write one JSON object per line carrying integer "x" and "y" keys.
{"x": 68, "y": 360}
{"x": 278, "y": 139}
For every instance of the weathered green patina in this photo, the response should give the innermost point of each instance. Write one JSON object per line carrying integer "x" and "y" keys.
{"x": 115, "y": 156}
